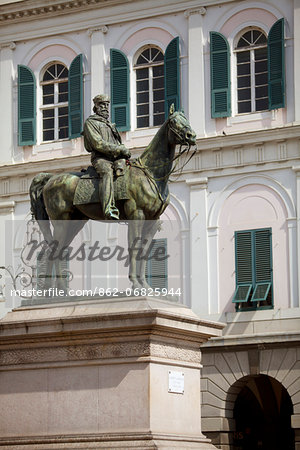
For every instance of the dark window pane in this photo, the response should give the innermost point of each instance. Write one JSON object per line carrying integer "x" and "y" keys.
{"x": 158, "y": 107}
{"x": 158, "y": 71}
{"x": 63, "y": 98}
{"x": 261, "y": 66}
{"x": 243, "y": 57}
{"x": 142, "y": 110}
{"x": 158, "y": 119}
{"x": 63, "y": 120}
{"x": 153, "y": 53}
{"x": 262, "y": 104}
{"x": 142, "y": 85}
{"x": 159, "y": 94}
{"x": 261, "y": 53}
{"x": 261, "y": 91}
{"x": 142, "y": 74}
{"x": 159, "y": 57}
{"x": 261, "y": 40}
{"x": 261, "y": 78}
{"x": 244, "y": 107}
{"x": 63, "y": 111}
{"x": 48, "y": 124}
{"x": 142, "y": 97}
{"x": 158, "y": 83}
{"x": 244, "y": 81}
{"x": 48, "y": 135}
{"x": 243, "y": 69}
{"x": 50, "y": 73}
{"x": 244, "y": 94}
{"x": 48, "y": 113}
{"x": 48, "y": 100}
{"x": 48, "y": 89}
{"x": 64, "y": 73}
{"x": 63, "y": 133}
{"x": 143, "y": 122}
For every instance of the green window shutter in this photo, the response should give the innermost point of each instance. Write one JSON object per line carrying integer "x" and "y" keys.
{"x": 276, "y": 66}
{"x": 244, "y": 267}
{"x": 26, "y": 106}
{"x": 263, "y": 264}
{"x": 157, "y": 268}
{"x": 220, "y": 76}
{"x": 253, "y": 255}
{"x": 75, "y": 86}
{"x": 119, "y": 90}
{"x": 172, "y": 76}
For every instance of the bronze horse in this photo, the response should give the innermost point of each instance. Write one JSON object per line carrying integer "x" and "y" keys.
{"x": 148, "y": 196}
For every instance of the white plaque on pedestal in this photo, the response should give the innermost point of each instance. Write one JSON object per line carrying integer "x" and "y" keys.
{"x": 176, "y": 382}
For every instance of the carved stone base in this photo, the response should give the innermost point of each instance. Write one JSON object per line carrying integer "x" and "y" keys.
{"x": 102, "y": 374}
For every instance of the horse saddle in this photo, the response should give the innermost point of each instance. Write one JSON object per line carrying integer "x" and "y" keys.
{"x": 87, "y": 190}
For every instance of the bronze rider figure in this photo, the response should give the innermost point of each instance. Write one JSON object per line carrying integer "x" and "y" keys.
{"x": 103, "y": 141}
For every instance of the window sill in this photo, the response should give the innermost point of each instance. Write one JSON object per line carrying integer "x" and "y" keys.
{"x": 142, "y": 132}
{"x": 251, "y": 117}
{"x": 51, "y": 145}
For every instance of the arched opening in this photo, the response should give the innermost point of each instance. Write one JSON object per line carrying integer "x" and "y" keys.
{"x": 262, "y": 414}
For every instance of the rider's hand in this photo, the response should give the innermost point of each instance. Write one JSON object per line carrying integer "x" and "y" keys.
{"x": 125, "y": 152}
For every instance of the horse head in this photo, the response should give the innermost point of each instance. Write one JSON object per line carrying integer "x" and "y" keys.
{"x": 180, "y": 130}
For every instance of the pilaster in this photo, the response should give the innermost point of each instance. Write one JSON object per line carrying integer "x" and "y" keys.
{"x": 198, "y": 242}
{"x": 296, "y": 59}
{"x": 297, "y": 171}
{"x": 6, "y": 100}
{"x": 196, "y": 68}
{"x": 97, "y": 36}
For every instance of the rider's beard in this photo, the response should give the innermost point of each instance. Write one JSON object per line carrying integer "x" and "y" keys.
{"x": 102, "y": 112}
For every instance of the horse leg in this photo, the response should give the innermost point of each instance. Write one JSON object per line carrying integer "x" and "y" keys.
{"x": 135, "y": 226}
{"x": 149, "y": 230}
{"x": 64, "y": 232}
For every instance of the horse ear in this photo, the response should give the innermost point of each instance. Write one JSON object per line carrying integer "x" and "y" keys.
{"x": 172, "y": 109}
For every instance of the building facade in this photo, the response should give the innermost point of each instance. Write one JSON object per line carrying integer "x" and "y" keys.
{"x": 234, "y": 68}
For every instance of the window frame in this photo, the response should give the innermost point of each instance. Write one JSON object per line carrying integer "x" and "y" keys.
{"x": 150, "y": 90}
{"x": 55, "y": 106}
{"x": 249, "y": 302}
{"x": 234, "y": 86}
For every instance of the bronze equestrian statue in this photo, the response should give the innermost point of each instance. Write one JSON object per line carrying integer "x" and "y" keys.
{"x": 143, "y": 200}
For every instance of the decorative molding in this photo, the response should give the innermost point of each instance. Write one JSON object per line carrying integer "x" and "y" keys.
{"x": 11, "y": 45}
{"x": 190, "y": 12}
{"x": 47, "y": 10}
{"x": 98, "y": 351}
{"x": 197, "y": 183}
{"x": 7, "y": 207}
{"x": 103, "y": 29}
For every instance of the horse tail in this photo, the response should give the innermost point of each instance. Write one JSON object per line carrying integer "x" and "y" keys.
{"x": 38, "y": 209}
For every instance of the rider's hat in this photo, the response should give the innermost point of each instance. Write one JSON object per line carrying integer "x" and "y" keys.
{"x": 101, "y": 98}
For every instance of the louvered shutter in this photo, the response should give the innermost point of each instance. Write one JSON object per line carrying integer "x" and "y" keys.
{"x": 220, "y": 76}
{"x": 276, "y": 66}
{"x": 26, "y": 106}
{"x": 119, "y": 86}
{"x": 157, "y": 268}
{"x": 263, "y": 264}
{"x": 244, "y": 268}
{"x": 172, "y": 76}
{"x": 75, "y": 97}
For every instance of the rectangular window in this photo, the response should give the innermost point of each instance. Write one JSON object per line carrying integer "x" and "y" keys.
{"x": 254, "y": 274}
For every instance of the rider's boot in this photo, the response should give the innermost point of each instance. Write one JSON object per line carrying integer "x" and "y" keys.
{"x": 110, "y": 211}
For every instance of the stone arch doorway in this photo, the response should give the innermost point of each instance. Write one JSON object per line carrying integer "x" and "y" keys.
{"x": 262, "y": 413}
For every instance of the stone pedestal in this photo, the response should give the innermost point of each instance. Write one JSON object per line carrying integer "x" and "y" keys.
{"x": 110, "y": 374}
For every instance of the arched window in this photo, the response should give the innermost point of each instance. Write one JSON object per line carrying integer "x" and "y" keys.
{"x": 54, "y": 107}
{"x": 150, "y": 92}
{"x": 252, "y": 72}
